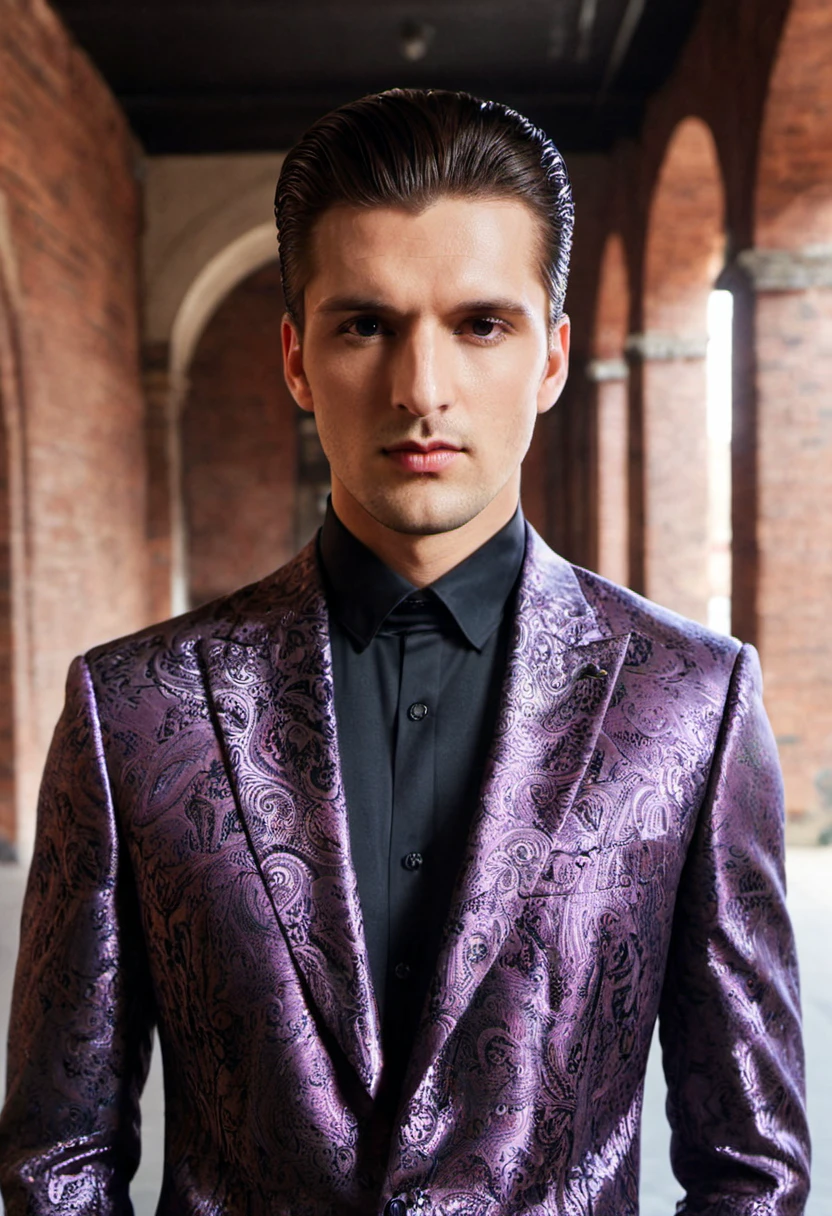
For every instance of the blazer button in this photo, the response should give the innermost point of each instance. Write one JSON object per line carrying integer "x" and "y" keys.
{"x": 417, "y": 711}
{"x": 412, "y": 861}
{"x": 402, "y": 971}
{"x": 395, "y": 1207}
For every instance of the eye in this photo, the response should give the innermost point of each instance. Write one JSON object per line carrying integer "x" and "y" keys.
{"x": 488, "y": 329}
{"x": 363, "y": 327}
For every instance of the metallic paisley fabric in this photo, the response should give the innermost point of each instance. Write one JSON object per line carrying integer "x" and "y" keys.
{"x": 192, "y": 872}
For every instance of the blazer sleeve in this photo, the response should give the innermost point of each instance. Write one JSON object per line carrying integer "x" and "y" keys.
{"x": 730, "y": 1011}
{"x": 81, "y": 1022}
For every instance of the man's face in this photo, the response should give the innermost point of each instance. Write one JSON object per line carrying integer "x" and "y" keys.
{"x": 426, "y": 357}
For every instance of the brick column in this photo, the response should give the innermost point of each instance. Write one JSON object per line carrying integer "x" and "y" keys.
{"x": 164, "y": 394}
{"x": 609, "y": 378}
{"x": 669, "y": 470}
{"x": 787, "y": 573}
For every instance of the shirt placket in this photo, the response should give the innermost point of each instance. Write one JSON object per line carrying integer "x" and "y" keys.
{"x": 414, "y": 785}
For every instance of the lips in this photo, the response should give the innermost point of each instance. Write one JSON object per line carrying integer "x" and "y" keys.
{"x": 429, "y": 457}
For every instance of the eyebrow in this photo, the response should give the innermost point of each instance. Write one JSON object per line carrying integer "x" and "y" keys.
{"x": 365, "y": 304}
{"x": 351, "y": 304}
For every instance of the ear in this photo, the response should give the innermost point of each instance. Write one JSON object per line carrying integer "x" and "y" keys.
{"x": 557, "y": 366}
{"x": 293, "y": 369}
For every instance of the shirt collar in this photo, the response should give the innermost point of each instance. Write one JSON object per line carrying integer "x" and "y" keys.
{"x": 362, "y": 590}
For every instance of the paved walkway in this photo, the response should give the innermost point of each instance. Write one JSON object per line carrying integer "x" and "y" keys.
{"x": 810, "y": 900}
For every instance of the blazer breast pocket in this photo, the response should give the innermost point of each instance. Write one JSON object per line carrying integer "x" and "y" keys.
{"x": 628, "y": 868}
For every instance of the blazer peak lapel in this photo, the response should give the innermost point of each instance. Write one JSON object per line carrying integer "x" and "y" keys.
{"x": 273, "y": 704}
{"x": 561, "y": 674}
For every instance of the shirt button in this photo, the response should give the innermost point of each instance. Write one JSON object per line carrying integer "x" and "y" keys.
{"x": 412, "y": 861}
{"x": 395, "y": 1207}
{"x": 402, "y": 971}
{"x": 417, "y": 711}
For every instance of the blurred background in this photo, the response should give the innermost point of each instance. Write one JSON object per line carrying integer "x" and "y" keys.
{"x": 151, "y": 457}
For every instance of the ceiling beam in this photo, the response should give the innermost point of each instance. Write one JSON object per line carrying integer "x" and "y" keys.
{"x": 629, "y": 21}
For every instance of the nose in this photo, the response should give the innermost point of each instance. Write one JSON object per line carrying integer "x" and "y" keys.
{"x": 421, "y": 375}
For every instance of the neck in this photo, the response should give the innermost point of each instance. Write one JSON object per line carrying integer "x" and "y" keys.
{"x": 423, "y": 558}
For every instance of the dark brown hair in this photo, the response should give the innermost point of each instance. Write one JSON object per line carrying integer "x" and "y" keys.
{"x": 409, "y": 147}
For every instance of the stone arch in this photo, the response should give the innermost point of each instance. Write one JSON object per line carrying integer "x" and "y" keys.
{"x": 196, "y": 209}
{"x": 229, "y": 266}
{"x": 208, "y": 226}
{"x": 684, "y": 253}
{"x": 609, "y": 373}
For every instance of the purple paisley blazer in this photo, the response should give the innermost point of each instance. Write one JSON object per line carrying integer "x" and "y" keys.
{"x": 192, "y": 873}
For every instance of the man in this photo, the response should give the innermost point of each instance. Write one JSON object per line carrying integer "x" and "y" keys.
{"x": 404, "y": 848}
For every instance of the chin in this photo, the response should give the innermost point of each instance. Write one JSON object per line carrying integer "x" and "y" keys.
{"x": 445, "y": 514}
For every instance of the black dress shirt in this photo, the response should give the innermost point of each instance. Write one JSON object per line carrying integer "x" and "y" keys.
{"x": 417, "y": 678}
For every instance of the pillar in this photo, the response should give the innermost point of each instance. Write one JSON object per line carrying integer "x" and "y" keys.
{"x": 669, "y": 468}
{"x": 164, "y": 392}
{"x": 609, "y": 378}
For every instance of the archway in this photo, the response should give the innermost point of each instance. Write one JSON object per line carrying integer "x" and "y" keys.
{"x": 165, "y": 372}
{"x": 207, "y": 226}
{"x": 684, "y": 254}
{"x": 240, "y": 444}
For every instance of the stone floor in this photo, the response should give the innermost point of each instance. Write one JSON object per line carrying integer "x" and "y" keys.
{"x": 810, "y": 900}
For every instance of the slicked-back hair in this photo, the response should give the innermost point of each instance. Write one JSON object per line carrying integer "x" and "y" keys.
{"x": 408, "y": 148}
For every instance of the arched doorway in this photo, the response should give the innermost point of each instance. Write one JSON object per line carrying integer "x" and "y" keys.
{"x": 253, "y": 484}
{"x": 684, "y": 255}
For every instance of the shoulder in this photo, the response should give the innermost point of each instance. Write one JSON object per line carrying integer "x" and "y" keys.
{"x": 625, "y": 611}
{"x": 292, "y": 591}
{"x": 681, "y": 684}
{"x": 662, "y": 643}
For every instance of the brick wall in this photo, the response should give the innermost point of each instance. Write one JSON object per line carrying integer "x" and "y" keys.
{"x": 239, "y": 444}
{"x": 69, "y": 236}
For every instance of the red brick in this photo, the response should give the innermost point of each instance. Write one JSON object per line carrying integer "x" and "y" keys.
{"x": 69, "y": 236}
{"x": 239, "y": 444}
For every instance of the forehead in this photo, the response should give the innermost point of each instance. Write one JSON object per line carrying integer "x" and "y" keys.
{"x": 456, "y": 244}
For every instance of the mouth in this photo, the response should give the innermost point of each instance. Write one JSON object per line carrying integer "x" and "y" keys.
{"x": 429, "y": 457}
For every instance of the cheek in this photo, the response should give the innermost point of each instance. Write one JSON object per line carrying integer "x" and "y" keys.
{"x": 510, "y": 370}
{"x": 347, "y": 384}
{"x": 504, "y": 391}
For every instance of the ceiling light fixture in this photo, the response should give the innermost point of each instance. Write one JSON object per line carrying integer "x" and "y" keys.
{"x": 414, "y": 40}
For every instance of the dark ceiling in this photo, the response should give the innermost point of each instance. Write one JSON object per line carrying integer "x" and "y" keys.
{"x": 251, "y": 75}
